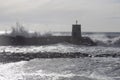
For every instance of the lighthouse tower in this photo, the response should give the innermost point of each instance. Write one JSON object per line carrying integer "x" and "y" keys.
{"x": 76, "y": 30}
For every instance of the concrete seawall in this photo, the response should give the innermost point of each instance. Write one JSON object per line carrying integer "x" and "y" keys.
{"x": 20, "y": 40}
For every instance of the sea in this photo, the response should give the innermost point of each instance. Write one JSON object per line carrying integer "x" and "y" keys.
{"x": 83, "y": 68}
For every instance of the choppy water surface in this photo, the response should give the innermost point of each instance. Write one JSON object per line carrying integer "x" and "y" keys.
{"x": 61, "y": 48}
{"x": 96, "y": 68}
{"x": 88, "y": 68}
{"x": 62, "y": 69}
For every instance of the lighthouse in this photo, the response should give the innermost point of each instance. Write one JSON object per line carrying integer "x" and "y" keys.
{"x": 76, "y": 31}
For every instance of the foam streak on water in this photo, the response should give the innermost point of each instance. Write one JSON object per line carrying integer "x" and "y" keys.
{"x": 94, "y": 68}
{"x": 62, "y": 69}
{"x": 61, "y": 48}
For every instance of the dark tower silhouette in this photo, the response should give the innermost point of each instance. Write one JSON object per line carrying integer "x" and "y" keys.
{"x": 76, "y": 30}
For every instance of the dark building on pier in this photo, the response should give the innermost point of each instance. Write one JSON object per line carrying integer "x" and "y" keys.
{"x": 76, "y": 38}
{"x": 76, "y": 31}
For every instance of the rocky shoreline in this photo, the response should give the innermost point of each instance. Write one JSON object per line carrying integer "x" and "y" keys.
{"x": 15, "y": 57}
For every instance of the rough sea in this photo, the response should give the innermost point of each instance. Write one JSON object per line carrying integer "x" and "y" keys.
{"x": 87, "y": 68}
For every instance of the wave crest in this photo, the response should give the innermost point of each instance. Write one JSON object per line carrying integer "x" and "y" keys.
{"x": 105, "y": 39}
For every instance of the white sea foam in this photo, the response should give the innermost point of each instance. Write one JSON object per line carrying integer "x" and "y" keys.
{"x": 94, "y": 68}
{"x": 61, "y": 48}
{"x": 106, "y": 39}
{"x": 61, "y": 69}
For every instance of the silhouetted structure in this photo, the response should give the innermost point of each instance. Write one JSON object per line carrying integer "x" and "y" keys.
{"x": 76, "y": 30}
{"x": 20, "y": 39}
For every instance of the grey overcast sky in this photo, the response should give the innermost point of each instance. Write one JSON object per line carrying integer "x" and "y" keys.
{"x": 59, "y": 15}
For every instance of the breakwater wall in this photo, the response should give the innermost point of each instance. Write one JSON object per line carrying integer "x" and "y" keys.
{"x": 15, "y": 57}
{"x": 43, "y": 40}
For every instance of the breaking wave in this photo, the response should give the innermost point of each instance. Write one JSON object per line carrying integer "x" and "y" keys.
{"x": 102, "y": 39}
{"x": 106, "y": 39}
{"x": 87, "y": 68}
